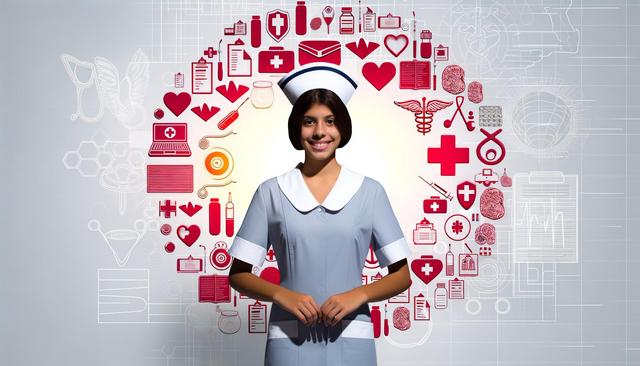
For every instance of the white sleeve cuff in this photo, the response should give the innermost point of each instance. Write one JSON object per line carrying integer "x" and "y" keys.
{"x": 247, "y": 251}
{"x": 393, "y": 252}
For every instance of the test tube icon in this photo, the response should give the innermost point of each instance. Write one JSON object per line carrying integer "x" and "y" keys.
{"x": 229, "y": 211}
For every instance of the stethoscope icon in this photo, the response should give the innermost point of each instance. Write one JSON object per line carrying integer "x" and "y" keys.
{"x": 71, "y": 65}
{"x": 203, "y": 143}
{"x": 202, "y": 192}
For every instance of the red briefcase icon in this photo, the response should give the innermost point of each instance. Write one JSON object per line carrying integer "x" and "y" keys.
{"x": 277, "y": 24}
{"x": 276, "y": 60}
{"x": 434, "y": 205}
{"x": 466, "y": 192}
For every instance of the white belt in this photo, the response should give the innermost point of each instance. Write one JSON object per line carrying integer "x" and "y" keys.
{"x": 350, "y": 329}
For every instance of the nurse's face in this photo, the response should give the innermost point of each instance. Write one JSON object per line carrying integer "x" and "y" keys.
{"x": 320, "y": 135}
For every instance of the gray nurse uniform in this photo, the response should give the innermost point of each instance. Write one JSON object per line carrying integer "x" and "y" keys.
{"x": 320, "y": 251}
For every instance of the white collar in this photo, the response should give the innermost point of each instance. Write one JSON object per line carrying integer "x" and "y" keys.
{"x": 295, "y": 189}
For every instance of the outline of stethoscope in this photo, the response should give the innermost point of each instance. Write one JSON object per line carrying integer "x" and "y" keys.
{"x": 202, "y": 192}
{"x": 81, "y": 87}
{"x": 140, "y": 227}
{"x": 203, "y": 143}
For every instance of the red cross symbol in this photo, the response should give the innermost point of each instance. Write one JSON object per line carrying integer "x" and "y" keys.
{"x": 448, "y": 155}
{"x": 271, "y": 255}
{"x": 167, "y": 209}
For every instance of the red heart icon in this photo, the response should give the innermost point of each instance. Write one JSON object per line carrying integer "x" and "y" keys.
{"x": 188, "y": 234}
{"x": 396, "y": 44}
{"x": 379, "y": 76}
{"x": 177, "y": 103}
{"x": 426, "y": 268}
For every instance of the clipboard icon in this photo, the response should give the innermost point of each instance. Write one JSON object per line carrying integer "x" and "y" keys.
{"x": 201, "y": 77}
{"x": 238, "y": 61}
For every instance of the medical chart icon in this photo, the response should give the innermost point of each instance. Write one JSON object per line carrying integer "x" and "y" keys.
{"x": 121, "y": 242}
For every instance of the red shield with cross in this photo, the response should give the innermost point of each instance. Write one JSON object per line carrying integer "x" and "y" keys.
{"x": 277, "y": 24}
{"x": 466, "y": 192}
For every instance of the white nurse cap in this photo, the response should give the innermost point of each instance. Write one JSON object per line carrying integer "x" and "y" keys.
{"x": 317, "y": 75}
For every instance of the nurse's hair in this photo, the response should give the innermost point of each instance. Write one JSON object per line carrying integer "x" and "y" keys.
{"x": 324, "y": 97}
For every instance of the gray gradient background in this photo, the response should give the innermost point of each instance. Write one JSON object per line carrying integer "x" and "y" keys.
{"x": 48, "y": 270}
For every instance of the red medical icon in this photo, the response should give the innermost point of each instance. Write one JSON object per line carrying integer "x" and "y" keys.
{"x": 271, "y": 274}
{"x": 426, "y": 268}
{"x": 231, "y": 91}
{"x": 202, "y": 77}
{"x": 453, "y": 79}
{"x": 467, "y": 121}
{"x": 190, "y": 209}
{"x": 177, "y": 103}
{"x": 389, "y": 21}
{"x": 492, "y": 204}
{"x": 379, "y": 76}
{"x": 158, "y": 113}
{"x": 371, "y": 261}
{"x": 165, "y": 229}
{"x": 188, "y": 234}
{"x": 239, "y": 62}
{"x": 421, "y": 308}
{"x": 205, "y": 112}
{"x": 487, "y": 177}
{"x": 485, "y": 234}
{"x": 319, "y": 51}
{"x": 214, "y": 288}
{"x": 468, "y": 263}
{"x": 396, "y": 44}
{"x": 256, "y": 31}
{"x": 219, "y": 257}
{"x": 169, "y": 139}
{"x": 189, "y": 265}
{"x": 474, "y": 92}
{"x": 415, "y": 75}
{"x": 423, "y": 112}
{"x": 169, "y": 247}
{"x": 239, "y": 29}
{"x": 276, "y": 60}
{"x": 315, "y": 23}
{"x": 457, "y": 227}
{"x": 166, "y": 208}
{"x": 448, "y": 155}
{"x": 466, "y": 192}
{"x": 327, "y": 14}
{"x": 169, "y": 178}
{"x": 277, "y": 24}
{"x": 362, "y": 49}
{"x": 257, "y": 317}
{"x": 434, "y": 205}
{"x": 491, "y": 156}
{"x": 424, "y": 233}
{"x": 301, "y": 18}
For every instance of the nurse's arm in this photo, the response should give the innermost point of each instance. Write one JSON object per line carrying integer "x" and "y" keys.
{"x": 301, "y": 305}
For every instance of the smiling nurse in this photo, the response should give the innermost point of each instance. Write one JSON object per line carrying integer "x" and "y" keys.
{"x": 320, "y": 219}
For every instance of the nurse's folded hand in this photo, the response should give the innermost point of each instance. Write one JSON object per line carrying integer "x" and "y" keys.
{"x": 303, "y": 306}
{"x": 338, "y": 306}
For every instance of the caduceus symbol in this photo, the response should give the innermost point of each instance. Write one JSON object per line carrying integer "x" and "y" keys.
{"x": 423, "y": 112}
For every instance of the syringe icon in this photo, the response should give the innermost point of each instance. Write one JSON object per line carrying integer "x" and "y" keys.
{"x": 443, "y": 192}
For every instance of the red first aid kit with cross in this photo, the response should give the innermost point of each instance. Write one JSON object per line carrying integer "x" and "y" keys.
{"x": 434, "y": 205}
{"x": 276, "y": 60}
